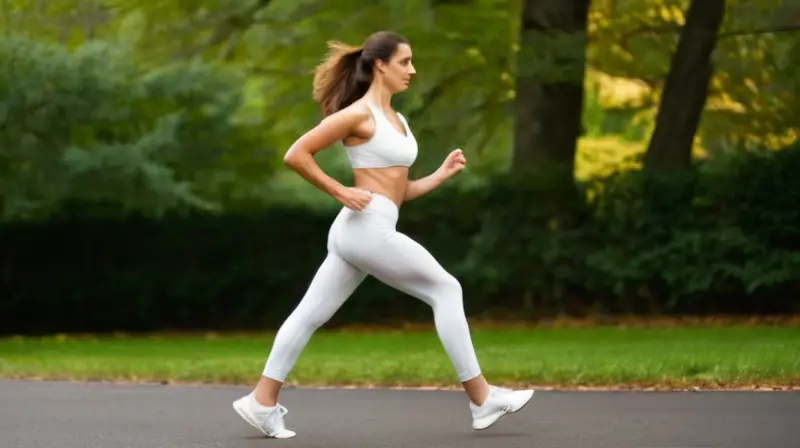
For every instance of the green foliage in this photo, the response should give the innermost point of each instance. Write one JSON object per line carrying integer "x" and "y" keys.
{"x": 465, "y": 53}
{"x": 90, "y": 126}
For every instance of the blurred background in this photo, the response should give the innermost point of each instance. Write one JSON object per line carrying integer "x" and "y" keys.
{"x": 626, "y": 157}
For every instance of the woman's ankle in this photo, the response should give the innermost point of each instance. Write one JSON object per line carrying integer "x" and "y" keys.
{"x": 266, "y": 391}
{"x": 477, "y": 389}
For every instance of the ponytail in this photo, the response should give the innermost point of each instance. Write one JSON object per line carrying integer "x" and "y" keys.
{"x": 341, "y": 78}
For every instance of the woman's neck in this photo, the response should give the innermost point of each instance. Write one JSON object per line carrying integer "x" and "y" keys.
{"x": 379, "y": 95}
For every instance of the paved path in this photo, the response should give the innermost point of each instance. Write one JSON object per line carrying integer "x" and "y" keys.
{"x": 67, "y": 415}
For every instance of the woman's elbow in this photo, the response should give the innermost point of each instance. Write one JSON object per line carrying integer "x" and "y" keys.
{"x": 292, "y": 158}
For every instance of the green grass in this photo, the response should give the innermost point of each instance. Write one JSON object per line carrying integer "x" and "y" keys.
{"x": 566, "y": 357}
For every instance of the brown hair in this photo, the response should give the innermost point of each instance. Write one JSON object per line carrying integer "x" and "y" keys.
{"x": 346, "y": 73}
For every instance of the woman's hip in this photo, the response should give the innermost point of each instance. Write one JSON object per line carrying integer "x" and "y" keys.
{"x": 364, "y": 229}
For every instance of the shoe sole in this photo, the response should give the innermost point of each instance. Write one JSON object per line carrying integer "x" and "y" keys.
{"x": 489, "y": 421}
{"x": 239, "y": 408}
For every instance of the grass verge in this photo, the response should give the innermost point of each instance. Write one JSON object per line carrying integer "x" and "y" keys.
{"x": 569, "y": 358}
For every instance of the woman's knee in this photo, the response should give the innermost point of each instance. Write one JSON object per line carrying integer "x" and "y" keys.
{"x": 454, "y": 286}
{"x": 449, "y": 292}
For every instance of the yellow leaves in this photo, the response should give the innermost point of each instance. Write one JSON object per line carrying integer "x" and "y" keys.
{"x": 751, "y": 85}
{"x": 617, "y": 91}
{"x": 672, "y": 13}
{"x": 751, "y": 99}
{"x": 605, "y": 155}
{"x": 598, "y": 20}
{"x": 751, "y": 92}
{"x": 724, "y": 101}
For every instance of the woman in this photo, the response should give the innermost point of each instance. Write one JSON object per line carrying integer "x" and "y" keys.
{"x": 354, "y": 87}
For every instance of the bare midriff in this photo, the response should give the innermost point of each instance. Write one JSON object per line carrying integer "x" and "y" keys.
{"x": 390, "y": 182}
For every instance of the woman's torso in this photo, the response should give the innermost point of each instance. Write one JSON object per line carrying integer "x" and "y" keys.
{"x": 381, "y": 150}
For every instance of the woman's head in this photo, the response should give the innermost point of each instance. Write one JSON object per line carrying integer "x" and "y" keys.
{"x": 347, "y": 72}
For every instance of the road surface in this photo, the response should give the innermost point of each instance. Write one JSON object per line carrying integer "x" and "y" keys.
{"x": 75, "y": 415}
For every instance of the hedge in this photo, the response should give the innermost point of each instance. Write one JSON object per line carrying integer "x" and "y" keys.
{"x": 723, "y": 237}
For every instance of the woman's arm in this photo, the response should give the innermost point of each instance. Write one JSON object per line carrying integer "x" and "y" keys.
{"x": 424, "y": 185}
{"x": 453, "y": 164}
{"x": 300, "y": 156}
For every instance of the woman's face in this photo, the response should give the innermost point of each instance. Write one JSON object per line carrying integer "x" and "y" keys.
{"x": 398, "y": 71}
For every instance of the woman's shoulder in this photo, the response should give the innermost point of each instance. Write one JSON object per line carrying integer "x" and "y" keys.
{"x": 359, "y": 110}
{"x": 349, "y": 116}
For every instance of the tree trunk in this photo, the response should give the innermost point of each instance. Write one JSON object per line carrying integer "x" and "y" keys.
{"x": 686, "y": 88}
{"x": 549, "y": 97}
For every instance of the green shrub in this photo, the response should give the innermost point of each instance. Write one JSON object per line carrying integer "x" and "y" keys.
{"x": 90, "y": 126}
{"x": 722, "y": 237}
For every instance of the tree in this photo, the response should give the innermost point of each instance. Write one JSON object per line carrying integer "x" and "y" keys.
{"x": 549, "y": 95}
{"x": 686, "y": 88}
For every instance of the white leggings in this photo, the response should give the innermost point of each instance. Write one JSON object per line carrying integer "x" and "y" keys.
{"x": 367, "y": 243}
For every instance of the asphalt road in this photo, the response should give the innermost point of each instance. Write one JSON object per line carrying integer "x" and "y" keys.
{"x": 75, "y": 415}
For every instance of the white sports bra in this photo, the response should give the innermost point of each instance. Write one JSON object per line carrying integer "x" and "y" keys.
{"x": 387, "y": 147}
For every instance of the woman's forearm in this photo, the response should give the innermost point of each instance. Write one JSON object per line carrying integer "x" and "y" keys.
{"x": 424, "y": 185}
{"x": 304, "y": 164}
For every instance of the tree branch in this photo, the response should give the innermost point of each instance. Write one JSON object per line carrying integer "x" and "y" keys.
{"x": 236, "y": 22}
{"x": 672, "y": 29}
{"x": 777, "y": 29}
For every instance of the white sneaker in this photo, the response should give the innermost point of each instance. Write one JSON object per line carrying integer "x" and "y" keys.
{"x": 268, "y": 420}
{"x": 499, "y": 403}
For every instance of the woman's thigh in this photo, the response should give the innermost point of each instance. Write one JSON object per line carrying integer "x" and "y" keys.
{"x": 404, "y": 264}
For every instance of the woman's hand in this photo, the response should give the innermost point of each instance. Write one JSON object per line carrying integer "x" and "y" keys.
{"x": 453, "y": 164}
{"x": 354, "y": 198}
